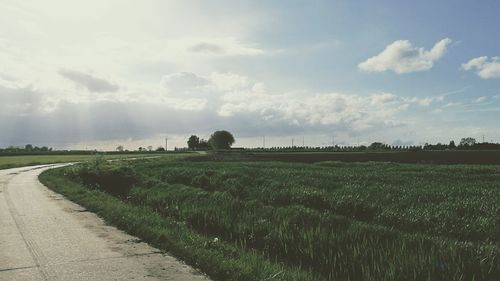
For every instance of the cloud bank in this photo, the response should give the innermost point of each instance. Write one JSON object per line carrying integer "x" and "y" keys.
{"x": 185, "y": 102}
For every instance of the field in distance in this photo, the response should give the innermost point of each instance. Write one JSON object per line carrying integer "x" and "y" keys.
{"x": 266, "y": 220}
{"x": 436, "y": 156}
{"x": 7, "y": 162}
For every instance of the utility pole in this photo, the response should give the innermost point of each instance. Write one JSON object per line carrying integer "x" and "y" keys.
{"x": 303, "y": 142}
{"x": 166, "y": 144}
{"x": 264, "y": 142}
{"x": 292, "y": 142}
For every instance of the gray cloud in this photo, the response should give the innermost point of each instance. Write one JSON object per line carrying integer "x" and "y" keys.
{"x": 19, "y": 101}
{"x": 210, "y": 48}
{"x": 71, "y": 123}
{"x": 91, "y": 83}
{"x": 181, "y": 82}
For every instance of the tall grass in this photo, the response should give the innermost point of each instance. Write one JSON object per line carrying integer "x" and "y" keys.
{"x": 331, "y": 221}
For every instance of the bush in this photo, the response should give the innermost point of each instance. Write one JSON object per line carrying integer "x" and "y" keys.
{"x": 114, "y": 179}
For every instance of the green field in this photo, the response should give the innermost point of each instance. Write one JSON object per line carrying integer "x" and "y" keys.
{"x": 7, "y": 162}
{"x": 288, "y": 221}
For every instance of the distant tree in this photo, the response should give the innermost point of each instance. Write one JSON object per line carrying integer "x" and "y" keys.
{"x": 150, "y": 148}
{"x": 120, "y": 148}
{"x": 467, "y": 141}
{"x": 221, "y": 140}
{"x": 203, "y": 144}
{"x": 193, "y": 142}
{"x": 28, "y": 147}
{"x": 452, "y": 145}
{"x": 377, "y": 146}
{"x": 160, "y": 148}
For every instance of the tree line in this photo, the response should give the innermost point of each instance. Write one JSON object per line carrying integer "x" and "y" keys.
{"x": 467, "y": 143}
{"x": 29, "y": 148}
{"x": 224, "y": 140}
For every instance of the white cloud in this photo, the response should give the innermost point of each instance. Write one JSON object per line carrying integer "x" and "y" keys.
{"x": 484, "y": 67}
{"x": 190, "y": 104}
{"x": 183, "y": 81}
{"x": 425, "y": 101}
{"x": 228, "y": 81}
{"x": 452, "y": 104}
{"x": 401, "y": 57}
{"x": 186, "y": 84}
{"x": 353, "y": 112}
{"x": 481, "y": 99}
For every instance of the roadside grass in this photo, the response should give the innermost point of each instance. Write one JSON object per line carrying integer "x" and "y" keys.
{"x": 288, "y": 221}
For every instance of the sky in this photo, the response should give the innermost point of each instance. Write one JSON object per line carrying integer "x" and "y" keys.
{"x": 98, "y": 74}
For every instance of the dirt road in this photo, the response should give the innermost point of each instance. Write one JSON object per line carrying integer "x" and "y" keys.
{"x": 46, "y": 237}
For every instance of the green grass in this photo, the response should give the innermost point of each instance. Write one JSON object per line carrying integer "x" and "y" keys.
{"x": 7, "y": 162}
{"x": 328, "y": 221}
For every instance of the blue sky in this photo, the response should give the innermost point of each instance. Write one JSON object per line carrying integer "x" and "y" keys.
{"x": 91, "y": 74}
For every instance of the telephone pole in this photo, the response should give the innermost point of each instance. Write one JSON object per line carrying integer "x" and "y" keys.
{"x": 264, "y": 142}
{"x": 166, "y": 144}
{"x": 292, "y": 142}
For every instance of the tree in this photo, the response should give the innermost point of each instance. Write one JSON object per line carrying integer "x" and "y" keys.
{"x": 452, "y": 145}
{"x": 28, "y": 147}
{"x": 221, "y": 140}
{"x": 150, "y": 148}
{"x": 203, "y": 145}
{"x": 120, "y": 148}
{"x": 377, "y": 146}
{"x": 193, "y": 142}
{"x": 467, "y": 141}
